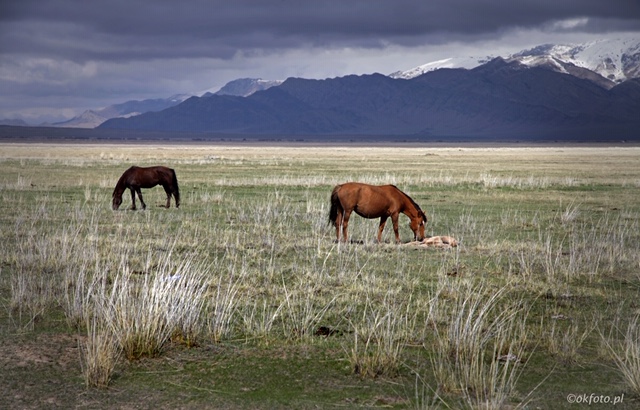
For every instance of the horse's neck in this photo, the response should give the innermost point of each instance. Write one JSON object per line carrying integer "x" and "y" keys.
{"x": 409, "y": 207}
{"x": 410, "y": 210}
{"x": 120, "y": 186}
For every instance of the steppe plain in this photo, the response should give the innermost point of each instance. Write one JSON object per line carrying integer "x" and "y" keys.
{"x": 536, "y": 308}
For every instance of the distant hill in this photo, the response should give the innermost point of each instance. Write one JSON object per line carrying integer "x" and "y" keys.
{"x": 14, "y": 122}
{"x": 91, "y": 118}
{"x": 499, "y": 98}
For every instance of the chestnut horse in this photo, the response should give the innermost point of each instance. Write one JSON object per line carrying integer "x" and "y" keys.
{"x": 370, "y": 201}
{"x": 138, "y": 177}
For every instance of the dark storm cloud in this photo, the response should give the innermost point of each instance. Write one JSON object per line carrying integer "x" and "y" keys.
{"x": 61, "y": 57}
{"x": 117, "y": 30}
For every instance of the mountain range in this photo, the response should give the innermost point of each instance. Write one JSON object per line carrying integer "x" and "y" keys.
{"x": 582, "y": 91}
{"x": 586, "y": 91}
{"x": 500, "y": 98}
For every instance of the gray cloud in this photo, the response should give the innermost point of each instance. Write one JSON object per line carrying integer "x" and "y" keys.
{"x": 156, "y": 29}
{"x": 65, "y": 48}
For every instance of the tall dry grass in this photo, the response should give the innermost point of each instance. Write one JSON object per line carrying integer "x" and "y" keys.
{"x": 622, "y": 344}
{"x": 100, "y": 353}
{"x": 480, "y": 353}
{"x": 144, "y": 310}
{"x": 380, "y": 335}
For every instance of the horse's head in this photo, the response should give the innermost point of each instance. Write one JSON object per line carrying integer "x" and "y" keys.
{"x": 117, "y": 200}
{"x": 417, "y": 225}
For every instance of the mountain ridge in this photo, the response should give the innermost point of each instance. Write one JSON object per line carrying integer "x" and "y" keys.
{"x": 501, "y": 97}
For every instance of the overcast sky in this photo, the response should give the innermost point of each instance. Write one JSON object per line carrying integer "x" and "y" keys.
{"x": 61, "y": 57}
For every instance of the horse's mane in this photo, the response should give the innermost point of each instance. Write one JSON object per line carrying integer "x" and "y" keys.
{"x": 409, "y": 198}
{"x": 121, "y": 184}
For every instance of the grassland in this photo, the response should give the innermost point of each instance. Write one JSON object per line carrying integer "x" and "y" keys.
{"x": 242, "y": 299}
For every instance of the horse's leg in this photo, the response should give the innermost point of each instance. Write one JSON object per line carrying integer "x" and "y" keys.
{"x": 133, "y": 199}
{"x": 394, "y": 219}
{"x": 338, "y": 224}
{"x": 144, "y": 206}
{"x": 345, "y": 224}
{"x": 168, "y": 192}
{"x": 383, "y": 220}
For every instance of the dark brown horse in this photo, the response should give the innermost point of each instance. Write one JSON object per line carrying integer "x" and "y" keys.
{"x": 370, "y": 201}
{"x": 136, "y": 178}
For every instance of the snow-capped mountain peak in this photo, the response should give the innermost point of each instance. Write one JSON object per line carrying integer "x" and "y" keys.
{"x": 606, "y": 62}
{"x": 452, "y": 62}
{"x": 616, "y": 59}
{"x": 244, "y": 87}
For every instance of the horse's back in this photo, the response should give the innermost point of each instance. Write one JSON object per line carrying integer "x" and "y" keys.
{"x": 148, "y": 177}
{"x": 131, "y": 170}
{"x": 370, "y": 201}
{"x": 361, "y": 189}
{"x": 158, "y": 169}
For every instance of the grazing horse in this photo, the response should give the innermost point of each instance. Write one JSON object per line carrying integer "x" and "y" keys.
{"x": 138, "y": 177}
{"x": 370, "y": 201}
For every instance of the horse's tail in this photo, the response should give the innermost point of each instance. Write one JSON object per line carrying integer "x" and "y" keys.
{"x": 176, "y": 189}
{"x": 335, "y": 203}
